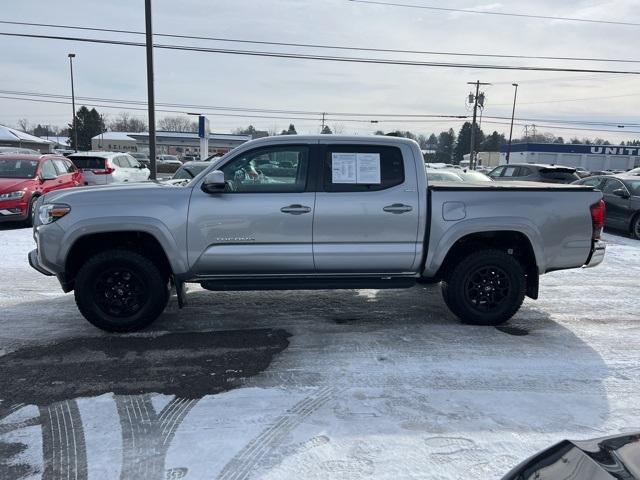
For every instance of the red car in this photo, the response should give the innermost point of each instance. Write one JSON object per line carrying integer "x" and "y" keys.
{"x": 23, "y": 178}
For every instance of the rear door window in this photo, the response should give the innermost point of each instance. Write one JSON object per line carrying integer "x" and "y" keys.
{"x": 359, "y": 168}
{"x": 511, "y": 171}
{"x": 88, "y": 163}
{"x": 559, "y": 175}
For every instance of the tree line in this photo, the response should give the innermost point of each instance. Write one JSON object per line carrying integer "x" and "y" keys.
{"x": 445, "y": 147}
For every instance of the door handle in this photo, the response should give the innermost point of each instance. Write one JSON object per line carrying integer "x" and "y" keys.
{"x": 397, "y": 208}
{"x": 296, "y": 209}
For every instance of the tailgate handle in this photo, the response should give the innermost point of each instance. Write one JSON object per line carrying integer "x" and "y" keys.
{"x": 398, "y": 208}
{"x": 296, "y": 209}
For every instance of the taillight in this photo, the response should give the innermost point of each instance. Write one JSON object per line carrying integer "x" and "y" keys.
{"x": 598, "y": 211}
{"x": 106, "y": 171}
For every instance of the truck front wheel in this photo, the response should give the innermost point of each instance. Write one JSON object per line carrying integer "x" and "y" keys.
{"x": 121, "y": 291}
{"x": 485, "y": 288}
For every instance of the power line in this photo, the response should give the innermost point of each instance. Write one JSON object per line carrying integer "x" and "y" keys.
{"x": 300, "y": 56}
{"x": 321, "y": 46}
{"x": 334, "y": 116}
{"x": 241, "y": 109}
{"x": 571, "y": 99}
{"x": 567, "y": 128}
{"x": 500, "y": 14}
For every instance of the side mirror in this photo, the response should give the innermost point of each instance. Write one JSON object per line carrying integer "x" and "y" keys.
{"x": 214, "y": 182}
{"x": 621, "y": 192}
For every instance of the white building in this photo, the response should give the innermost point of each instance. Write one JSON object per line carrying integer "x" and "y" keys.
{"x": 589, "y": 157}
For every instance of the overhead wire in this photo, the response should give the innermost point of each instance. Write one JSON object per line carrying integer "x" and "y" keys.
{"x": 301, "y": 56}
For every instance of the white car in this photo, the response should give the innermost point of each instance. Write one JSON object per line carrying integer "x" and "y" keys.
{"x": 101, "y": 168}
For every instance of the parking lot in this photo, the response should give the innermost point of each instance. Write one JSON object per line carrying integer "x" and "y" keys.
{"x": 346, "y": 384}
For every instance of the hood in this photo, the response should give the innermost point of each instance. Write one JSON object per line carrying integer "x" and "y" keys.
{"x": 111, "y": 192}
{"x": 616, "y": 457}
{"x": 13, "y": 184}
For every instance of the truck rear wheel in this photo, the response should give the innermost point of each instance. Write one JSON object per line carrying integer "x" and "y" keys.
{"x": 121, "y": 291}
{"x": 485, "y": 288}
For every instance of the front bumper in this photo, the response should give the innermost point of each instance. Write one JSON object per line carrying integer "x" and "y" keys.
{"x": 35, "y": 263}
{"x": 13, "y": 210}
{"x": 597, "y": 254}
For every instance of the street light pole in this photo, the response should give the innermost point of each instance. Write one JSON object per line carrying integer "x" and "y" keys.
{"x": 513, "y": 114}
{"x": 150, "y": 92}
{"x": 73, "y": 104}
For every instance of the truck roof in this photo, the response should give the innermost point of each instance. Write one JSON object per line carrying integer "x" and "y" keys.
{"x": 376, "y": 139}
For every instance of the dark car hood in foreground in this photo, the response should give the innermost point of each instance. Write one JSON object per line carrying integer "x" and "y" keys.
{"x": 608, "y": 458}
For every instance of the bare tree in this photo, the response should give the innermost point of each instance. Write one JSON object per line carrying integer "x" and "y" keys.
{"x": 177, "y": 124}
{"x": 125, "y": 122}
{"x": 338, "y": 128}
{"x": 23, "y": 125}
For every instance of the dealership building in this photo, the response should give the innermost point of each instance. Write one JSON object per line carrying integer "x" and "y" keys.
{"x": 589, "y": 157}
{"x": 171, "y": 143}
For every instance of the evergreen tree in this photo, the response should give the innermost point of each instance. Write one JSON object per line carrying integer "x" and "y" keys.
{"x": 290, "y": 131}
{"x": 88, "y": 124}
{"x": 493, "y": 142}
{"x": 445, "y": 146}
{"x": 326, "y": 130}
{"x": 463, "y": 145}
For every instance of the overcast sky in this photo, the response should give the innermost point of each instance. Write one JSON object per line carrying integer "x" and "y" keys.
{"x": 118, "y": 72}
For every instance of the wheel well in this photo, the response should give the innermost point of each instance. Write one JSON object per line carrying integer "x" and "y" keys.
{"x": 514, "y": 243}
{"x": 140, "y": 242}
{"x": 633, "y": 219}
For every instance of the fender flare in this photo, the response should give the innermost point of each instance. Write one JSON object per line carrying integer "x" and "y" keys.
{"x": 437, "y": 253}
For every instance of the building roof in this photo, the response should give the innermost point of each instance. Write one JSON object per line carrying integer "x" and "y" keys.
{"x": 8, "y": 134}
{"x": 57, "y": 140}
{"x": 139, "y": 135}
{"x": 116, "y": 136}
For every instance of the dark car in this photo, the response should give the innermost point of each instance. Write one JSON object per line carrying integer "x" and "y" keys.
{"x": 532, "y": 172}
{"x": 142, "y": 158}
{"x": 622, "y": 197}
{"x": 24, "y": 178}
{"x": 616, "y": 457}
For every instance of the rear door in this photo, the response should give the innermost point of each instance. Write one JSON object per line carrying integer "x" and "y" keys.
{"x": 65, "y": 176}
{"x": 366, "y": 218}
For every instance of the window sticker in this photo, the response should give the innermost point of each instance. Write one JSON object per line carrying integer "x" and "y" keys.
{"x": 343, "y": 168}
{"x": 368, "y": 170}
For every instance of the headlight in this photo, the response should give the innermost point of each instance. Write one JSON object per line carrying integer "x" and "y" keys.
{"x": 51, "y": 212}
{"x": 12, "y": 195}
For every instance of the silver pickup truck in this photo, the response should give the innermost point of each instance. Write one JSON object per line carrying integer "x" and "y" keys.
{"x": 313, "y": 212}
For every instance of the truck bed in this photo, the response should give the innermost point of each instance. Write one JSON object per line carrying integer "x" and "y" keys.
{"x": 508, "y": 186}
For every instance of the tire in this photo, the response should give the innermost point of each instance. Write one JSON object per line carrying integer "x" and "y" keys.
{"x": 121, "y": 291}
{"x": 28, "y": 222}
{"x": 485, "y": 288}
{"x": 635, "y": 227}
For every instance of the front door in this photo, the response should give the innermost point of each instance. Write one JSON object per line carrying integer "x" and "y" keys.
{"x": 262, "y": 223}
{"x": 617, "y": 207}
{"x": 367, "y": 210}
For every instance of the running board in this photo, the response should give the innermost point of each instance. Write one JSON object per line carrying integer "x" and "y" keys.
{"x": 335, "y": 283}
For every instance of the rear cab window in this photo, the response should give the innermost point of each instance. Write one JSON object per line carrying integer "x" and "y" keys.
{"x": 361, "y": 168}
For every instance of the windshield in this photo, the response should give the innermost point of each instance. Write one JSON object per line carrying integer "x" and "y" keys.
{"x": 17, "y": 168}
{"x": 188, "y": 172}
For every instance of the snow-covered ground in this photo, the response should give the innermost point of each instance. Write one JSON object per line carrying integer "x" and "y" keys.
{"x": 373, "y": 384}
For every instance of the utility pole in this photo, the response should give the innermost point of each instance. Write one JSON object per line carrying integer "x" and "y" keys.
{"x": 513, "y": 113}
{"x": 322, "y": 130}
{"x": 475, "y": 98}
{"x": 73, "y": 104}
{"x": 150, "y": 93}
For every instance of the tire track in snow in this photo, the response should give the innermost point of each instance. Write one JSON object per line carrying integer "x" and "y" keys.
{"x": 244, "y": 462}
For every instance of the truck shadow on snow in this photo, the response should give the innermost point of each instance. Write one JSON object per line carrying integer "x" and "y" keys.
{"x": 394, "y": 340}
